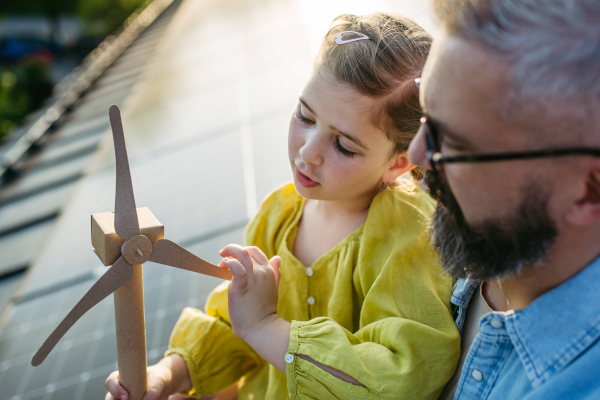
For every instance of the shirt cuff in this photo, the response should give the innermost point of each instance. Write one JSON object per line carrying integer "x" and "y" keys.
{"x": 290, "y": 367}
{"x": 185, "y": 354}
{"x": 307, "y": 380}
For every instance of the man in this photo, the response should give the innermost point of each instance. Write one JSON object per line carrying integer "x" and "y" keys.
{"x": 511, "y": 141}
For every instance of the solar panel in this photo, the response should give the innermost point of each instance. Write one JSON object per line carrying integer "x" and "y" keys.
{"x": 79, "y": 365}
{"x": 224, "y": 72}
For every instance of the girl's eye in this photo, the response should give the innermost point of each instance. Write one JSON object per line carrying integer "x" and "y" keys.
{"x": 342, "y": 150}
{"x": 303, "y": 118}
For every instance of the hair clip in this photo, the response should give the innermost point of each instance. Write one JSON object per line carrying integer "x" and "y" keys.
{"x": 339, "y": 40}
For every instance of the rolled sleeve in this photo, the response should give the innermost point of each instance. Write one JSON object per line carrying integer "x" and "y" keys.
{"x": 215, "y": 357}
{"x": 393, "y": 358}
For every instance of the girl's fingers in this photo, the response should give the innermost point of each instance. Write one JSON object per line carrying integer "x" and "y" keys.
{"x": 240, "y": 253}
{"x": 155, "y": 388}
{"x": 258, "y": 255}
{"x": 222, "y": 264}
{"x": 114, "y": 387}
{"x": 237, "y": 270}
{"x": 274, "y": 262}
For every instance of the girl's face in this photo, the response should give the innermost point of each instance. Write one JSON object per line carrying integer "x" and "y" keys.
{"x": 335, "y": 151}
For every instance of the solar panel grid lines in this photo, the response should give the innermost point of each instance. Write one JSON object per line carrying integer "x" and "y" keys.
{"x": 192, "y": 119}
{"x": 58, "y": 152}
{"x": 58, "y": 165}
{"x": 26, "y": 326}
{"x": 11, "y": 247}
{"x": 14, "y": 357}
{"x": 72, "y": 129}
{"x": 78, "y": 366}
{"x": 88, "y": 344}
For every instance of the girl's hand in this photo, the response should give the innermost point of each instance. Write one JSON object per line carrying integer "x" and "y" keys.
{"x": 167, "y": 377}
{"x": 253, "y": 291}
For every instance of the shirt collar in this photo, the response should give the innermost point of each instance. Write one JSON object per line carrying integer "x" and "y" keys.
{"x": 463, "y": 291}
{"x": 558, "y": 326}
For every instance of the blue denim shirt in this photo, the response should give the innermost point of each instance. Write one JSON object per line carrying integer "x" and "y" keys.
{"x": 548, "y": 350}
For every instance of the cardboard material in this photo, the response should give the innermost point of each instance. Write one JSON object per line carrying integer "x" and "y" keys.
{"x": 137, "y": 250}
{"x": 131, "y": 335}
{"x": 166, "y": 252}
{"x": 126, "y": 223}
{"x": 114, "y": 278}
{"x": 107, "y": 244}
{"x": 128, "y": 238}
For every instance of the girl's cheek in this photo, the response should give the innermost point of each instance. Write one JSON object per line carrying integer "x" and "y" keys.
{"x": 295, "y": 139}
{"x": 358, "y": 171}
{"x": 341, "y": 169}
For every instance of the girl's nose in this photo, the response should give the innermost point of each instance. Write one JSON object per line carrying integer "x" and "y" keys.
{"x": 311, "y": 150}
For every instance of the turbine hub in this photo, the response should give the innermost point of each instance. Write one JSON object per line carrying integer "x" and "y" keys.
{"x": 137, "y": 249}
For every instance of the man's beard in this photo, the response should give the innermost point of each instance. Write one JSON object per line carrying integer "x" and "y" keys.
{"x": 496, "y": 247}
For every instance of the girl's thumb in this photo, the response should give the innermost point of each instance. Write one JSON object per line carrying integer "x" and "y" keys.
{"x": 275, "y": 265}
{"x": 240, "y": 278}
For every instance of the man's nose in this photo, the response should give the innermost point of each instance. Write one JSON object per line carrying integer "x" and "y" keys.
{"x": 417, "y": 150}
{"x": 311, "y": 151}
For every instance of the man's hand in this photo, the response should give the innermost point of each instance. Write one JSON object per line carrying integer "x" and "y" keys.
{"x": 253, "y": 291}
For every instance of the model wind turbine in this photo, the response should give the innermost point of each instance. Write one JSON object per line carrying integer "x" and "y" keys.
{"x": 126, "y": 239}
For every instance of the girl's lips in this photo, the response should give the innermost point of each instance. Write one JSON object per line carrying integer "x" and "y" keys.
{"x": 305, "y": 180}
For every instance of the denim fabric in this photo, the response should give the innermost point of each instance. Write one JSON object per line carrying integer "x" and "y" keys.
{"x": 461, "y": 295}
{"x": 548, "y": 350}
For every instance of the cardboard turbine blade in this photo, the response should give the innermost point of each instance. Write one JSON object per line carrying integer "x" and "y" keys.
{"x": 126, "y": 222}
{"x": 166, "y": 252}
{"x": 113, "y": 279}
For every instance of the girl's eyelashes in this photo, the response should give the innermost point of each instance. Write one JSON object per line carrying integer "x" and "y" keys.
{"x": 338, "y": 145}
{"x": 303, "y": 118}
{"x": 342, "y": 150}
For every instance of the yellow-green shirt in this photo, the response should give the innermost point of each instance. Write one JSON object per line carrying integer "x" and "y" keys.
{"x": 376, "y": 306}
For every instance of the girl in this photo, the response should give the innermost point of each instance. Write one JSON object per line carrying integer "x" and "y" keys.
{"x": 364, "y": 308}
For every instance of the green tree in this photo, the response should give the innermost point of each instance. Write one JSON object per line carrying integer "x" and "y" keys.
{"x": 111, "y": 12}
{"x": 23, "y": 88}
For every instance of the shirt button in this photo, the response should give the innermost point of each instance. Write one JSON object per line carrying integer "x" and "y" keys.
{"x": 309, "y": 271}
{"x": 311, "y": 300}
{"x": 478, "y": 376}
{"x": 289, "y": 358}
{"x": 496, "y": 323}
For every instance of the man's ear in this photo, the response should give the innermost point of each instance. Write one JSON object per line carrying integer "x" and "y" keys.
{"x": 399, "y": 165}
{"x": 586, "y": 210}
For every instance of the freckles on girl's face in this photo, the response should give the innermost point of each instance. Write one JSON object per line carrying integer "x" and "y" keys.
{"x": 335, "y": 151}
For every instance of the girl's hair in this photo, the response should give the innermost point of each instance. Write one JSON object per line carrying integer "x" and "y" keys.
{"x": 383, "y": 67}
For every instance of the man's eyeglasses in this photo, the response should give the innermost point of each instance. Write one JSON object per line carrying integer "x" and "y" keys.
{"x": 436, "y": 159}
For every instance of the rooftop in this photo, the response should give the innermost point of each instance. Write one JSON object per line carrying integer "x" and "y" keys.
{"x": 206, "y": 92}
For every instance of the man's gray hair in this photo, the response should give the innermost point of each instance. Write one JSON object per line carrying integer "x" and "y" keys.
{"x": 551, "y": 46}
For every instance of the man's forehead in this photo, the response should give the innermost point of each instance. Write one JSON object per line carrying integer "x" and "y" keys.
{"x": 466, "y": 89}
{"x": 459, "y": 70}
